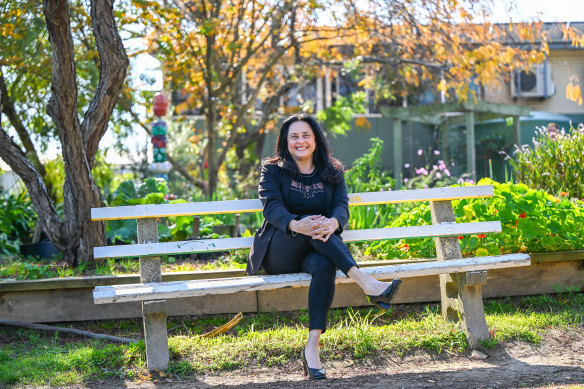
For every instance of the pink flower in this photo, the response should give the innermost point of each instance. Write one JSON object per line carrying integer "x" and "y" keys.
{"x": 438, "y": 175}
{"x": 436, "y": 152}
{"x": 447, "y": 172}
{"x": 420, "y": 151}
{"x": 405, "y": 180}
{"x": 407, "y": 165}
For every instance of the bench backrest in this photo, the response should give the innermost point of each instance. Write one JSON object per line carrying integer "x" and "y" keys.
{"x": 146, "y": 215}
{"x": 255, "y": 205}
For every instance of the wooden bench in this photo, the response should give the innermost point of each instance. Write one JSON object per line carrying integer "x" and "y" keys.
{"x": 461, "y": 280}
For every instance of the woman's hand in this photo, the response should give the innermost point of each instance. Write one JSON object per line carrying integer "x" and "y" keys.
{"x": 316, "y": 226}
{"x": 327, "y": 228}
{"x": 309, "y": 226}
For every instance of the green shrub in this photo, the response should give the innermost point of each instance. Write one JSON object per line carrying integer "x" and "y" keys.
{"x": 17, "y": 222}
{"x": 155, "y": 191}
{"x": 554, "y": 163}
{"x": 532, "y": 221}
{"x": 366, "y": 175}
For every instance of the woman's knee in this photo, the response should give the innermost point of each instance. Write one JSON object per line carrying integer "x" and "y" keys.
{"x": 317, "y": 264}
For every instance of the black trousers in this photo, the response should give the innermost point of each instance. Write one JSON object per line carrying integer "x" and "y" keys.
{"x": 300, "y": 253}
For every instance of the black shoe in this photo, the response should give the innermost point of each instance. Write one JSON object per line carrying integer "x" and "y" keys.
{"x": 384, "y": 299}
{"x": 313, "y": 374}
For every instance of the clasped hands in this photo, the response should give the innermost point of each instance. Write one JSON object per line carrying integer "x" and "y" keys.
{"x": 317, "y": 226}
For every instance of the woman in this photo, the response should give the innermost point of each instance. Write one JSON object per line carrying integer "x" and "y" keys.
{"x": 303, "y": 191}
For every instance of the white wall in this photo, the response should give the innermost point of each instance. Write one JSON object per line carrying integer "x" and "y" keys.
{"x": 564, "y": 63}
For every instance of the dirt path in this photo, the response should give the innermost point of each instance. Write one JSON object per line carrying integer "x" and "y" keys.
{"x": 557, "y": 362}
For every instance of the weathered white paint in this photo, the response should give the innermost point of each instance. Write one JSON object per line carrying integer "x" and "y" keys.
{"x": 181, "y": 209}
{"x": 225, "y": 244}
{"x": 177, "y": 289}
{"x": 250, "y": 205}
{"x": 415, "y": 195}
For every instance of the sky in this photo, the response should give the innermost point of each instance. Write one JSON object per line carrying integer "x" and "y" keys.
{"x": 546, "y": 10}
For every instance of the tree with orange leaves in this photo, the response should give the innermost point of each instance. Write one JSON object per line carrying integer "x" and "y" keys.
{"x": 43, "y": 79}
{"x": 239, "y": 60}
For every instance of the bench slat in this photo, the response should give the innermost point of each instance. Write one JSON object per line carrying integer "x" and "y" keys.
{"x": 177, "y": 289}
{"x": 251, "y": 205}
{"x": 211, "y": 245}
{"x": 416, "y": 195}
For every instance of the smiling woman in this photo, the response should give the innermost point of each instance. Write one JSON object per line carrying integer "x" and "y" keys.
{"x": 301, "y": 146}
{"x": 305, "y": 206}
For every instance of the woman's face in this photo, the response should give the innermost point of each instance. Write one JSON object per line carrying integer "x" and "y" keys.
{"x": 301, "y": 141}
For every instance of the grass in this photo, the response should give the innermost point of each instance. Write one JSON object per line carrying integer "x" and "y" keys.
{"x": 39, "y": 358}
{"x": 31, "y": 268}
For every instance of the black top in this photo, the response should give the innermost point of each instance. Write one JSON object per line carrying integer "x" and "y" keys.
{"x": 274, "y": 191}
{"x": 306, "y": 196}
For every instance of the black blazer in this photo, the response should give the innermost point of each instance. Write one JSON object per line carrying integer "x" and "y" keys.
{"x": 273, "y": 191}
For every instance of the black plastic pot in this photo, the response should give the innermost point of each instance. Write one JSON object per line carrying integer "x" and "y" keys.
{"x": 42, "y": 249}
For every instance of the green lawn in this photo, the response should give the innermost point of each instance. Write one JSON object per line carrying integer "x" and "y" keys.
{"x": 44, "y": 358}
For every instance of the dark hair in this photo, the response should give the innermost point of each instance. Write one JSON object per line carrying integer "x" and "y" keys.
{"x": 331, "y": 169}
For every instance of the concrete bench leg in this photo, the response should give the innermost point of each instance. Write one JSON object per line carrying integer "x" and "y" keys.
{"x": 155, "y": 334}
{"x": 461, "y": 293}
{"x": 153, "y": 312}
{"x": 462, "y": 302}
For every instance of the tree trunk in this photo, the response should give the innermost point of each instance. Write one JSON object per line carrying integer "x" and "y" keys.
{"x": 211, "y": 154}
{"x": 79, "y": 190}
{"x": 75, "y": 236}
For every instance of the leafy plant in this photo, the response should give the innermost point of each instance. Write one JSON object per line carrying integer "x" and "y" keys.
{"x": 152, "y": 191}
{"x": 532, "y": 221}
{"x": 366, "y": 175}
{"x": 553, "y": 156}
{"x": 155, "y": 191}
{"x": 337, "y": 118}
{"x": 17, "y": 222}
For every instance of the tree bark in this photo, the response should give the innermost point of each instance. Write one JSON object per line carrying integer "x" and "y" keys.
{"x": 10, "y": 111}
{"x": 113, "y": 69}
{"x": 79, "y": 190}
{"x": 42, "y": 202}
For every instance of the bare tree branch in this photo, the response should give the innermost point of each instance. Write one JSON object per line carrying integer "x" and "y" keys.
{"x": 44, "y": 327}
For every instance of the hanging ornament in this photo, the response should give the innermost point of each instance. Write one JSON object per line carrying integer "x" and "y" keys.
{"x": 159, "y": 141}
{"x": 160, "y": 105}
{"x": 159, "y": 155}
{"x": 159, "y": 128}
{"x": 161, "y": 166}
